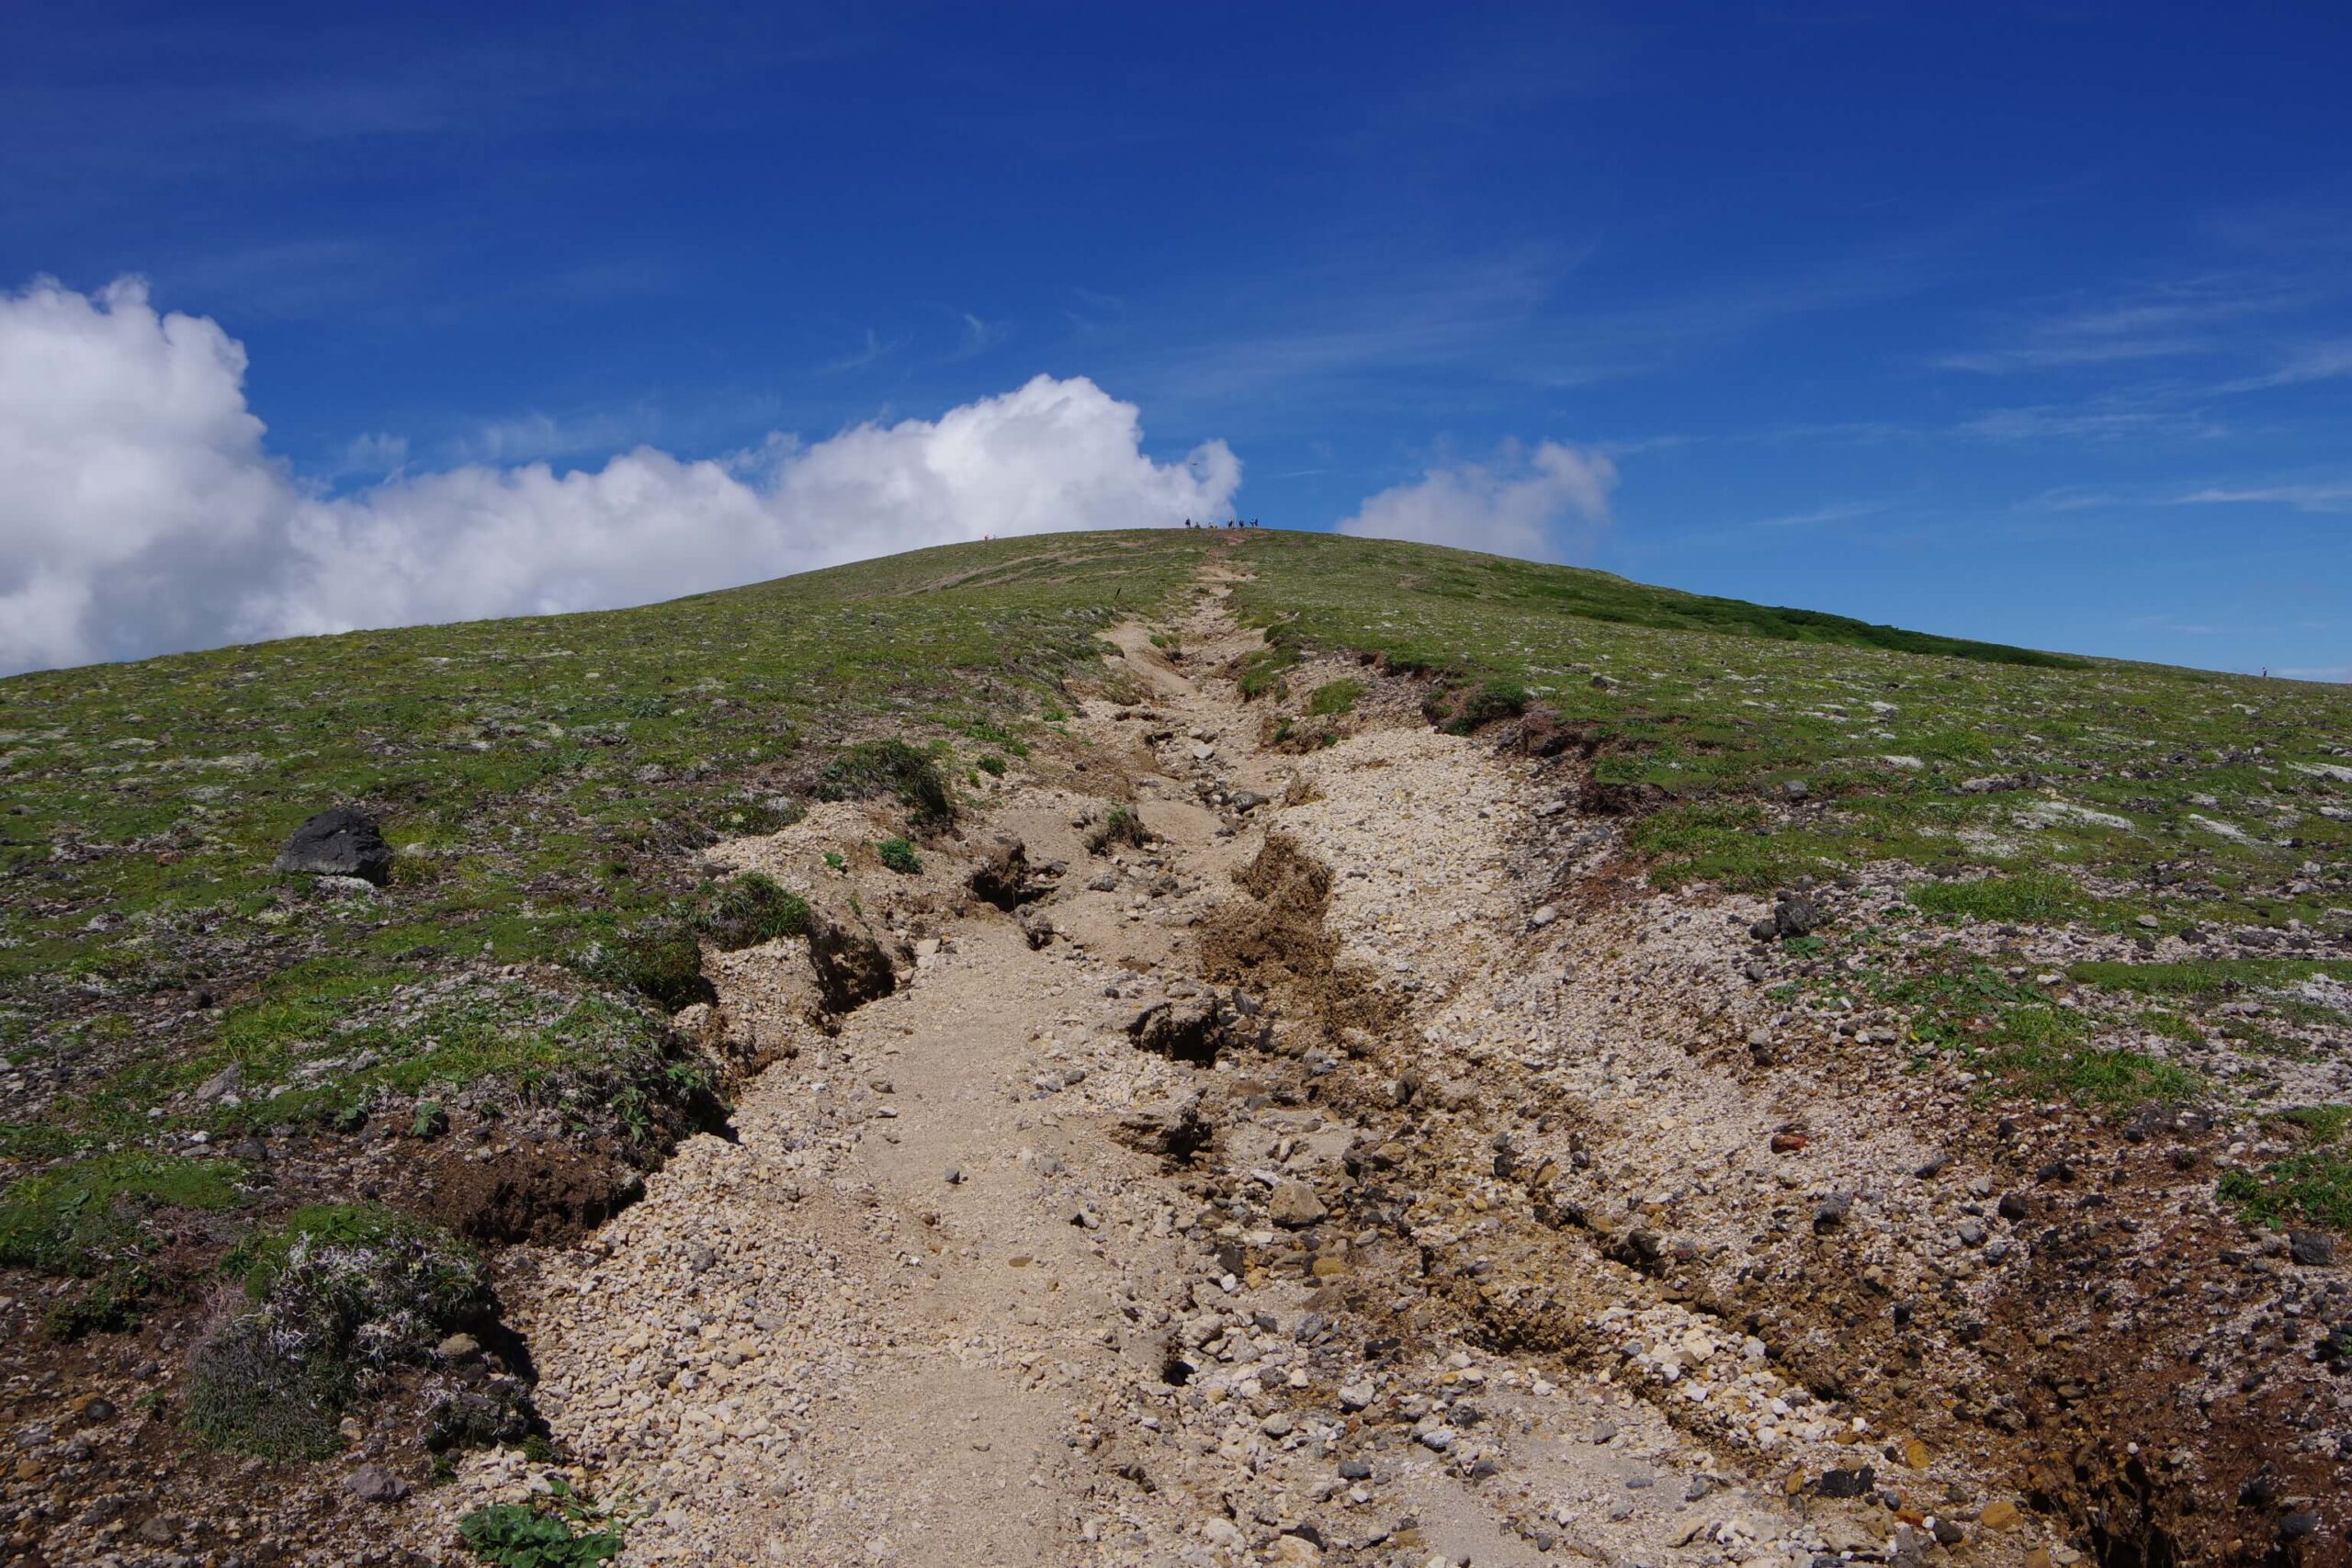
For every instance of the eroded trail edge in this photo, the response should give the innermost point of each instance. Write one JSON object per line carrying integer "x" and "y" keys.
{"x": 1249, "y": 1160}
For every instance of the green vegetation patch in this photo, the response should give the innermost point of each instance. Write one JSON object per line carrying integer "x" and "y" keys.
{"x": 2009, "y": 1027}
{"x": 746, "y": 910}
{"x": 1120, "y": 827}
{"x": 2326, "y": 1123}
{"x": 1486, "y": 703}
{"x": 1262, "y": 670}
{"x": 2315, "y": 1189}
{"x": 333, "y": 1042}
{"x": 2105, "y": 1077}
{"x": 559, "y": 1529}
{"x": 2311, "y": 1187}
{"x": 2025, "y": 898}
{"x": 95, "y": 1219}
{"x": 1730, "y": 844}
{"x": 2203, "y": 976}
{"x": 875, "y": 768}
{"x": 1943, "y": 753}
{"x": 81, "y": 1218}
{"x": 1333, "y": 698}
{"x": 899, "y": 856}
{"x": 546, "y": 785}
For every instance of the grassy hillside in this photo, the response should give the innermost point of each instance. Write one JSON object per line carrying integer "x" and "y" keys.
{"x": 544, "y": 782}
{"x": 171, "y": 1011}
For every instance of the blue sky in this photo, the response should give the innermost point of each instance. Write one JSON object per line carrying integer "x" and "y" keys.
{"x": 2031, "y": 323}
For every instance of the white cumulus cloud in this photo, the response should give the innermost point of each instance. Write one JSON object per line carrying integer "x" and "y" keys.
{"x": 1548, "y": 504}
{"x": 141, "y": 512}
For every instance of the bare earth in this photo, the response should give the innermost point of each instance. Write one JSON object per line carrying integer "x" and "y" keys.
{"x": 1410, "y": 1228}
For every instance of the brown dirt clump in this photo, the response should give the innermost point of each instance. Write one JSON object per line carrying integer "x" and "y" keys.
{"x": 548, "y": 1195}
{"x": 1276, "y": 943}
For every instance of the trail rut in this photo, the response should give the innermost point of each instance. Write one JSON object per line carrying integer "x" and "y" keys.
{"x": 991, "y": 1272}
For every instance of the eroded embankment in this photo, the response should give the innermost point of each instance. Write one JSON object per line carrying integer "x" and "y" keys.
{"x": 1292, "y": 1173}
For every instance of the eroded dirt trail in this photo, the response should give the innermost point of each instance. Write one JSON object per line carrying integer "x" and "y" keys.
{"x": 1217, "y": 1206}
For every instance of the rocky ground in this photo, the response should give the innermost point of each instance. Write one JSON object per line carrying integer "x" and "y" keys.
{"x": 1340, "y": 1156}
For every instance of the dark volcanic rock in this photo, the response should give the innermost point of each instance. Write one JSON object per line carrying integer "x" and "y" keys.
{"x": 1795, "y": 914}
{"x": 338, "y": 842}
{"x": 1846, "y": 1482}
{"x": 2314, "y": 1249}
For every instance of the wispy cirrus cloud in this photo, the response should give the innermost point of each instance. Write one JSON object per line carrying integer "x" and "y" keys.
{"x": 977, "y": 336}
{"x": 1823, "y": 517}
{"x": 873, "y": 351}
{"x": 2165, "y": 321}
{"x": 2320, "y": 496}
{"x": 2069, "y": 498}
{"x": 2323, "y": 361}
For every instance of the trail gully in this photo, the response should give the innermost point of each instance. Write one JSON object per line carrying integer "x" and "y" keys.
{"x": 1225, "y": 1199}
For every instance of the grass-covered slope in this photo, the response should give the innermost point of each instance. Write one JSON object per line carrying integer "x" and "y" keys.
{"x": 2199, "y": 796}
{"x": 544, "y": 784}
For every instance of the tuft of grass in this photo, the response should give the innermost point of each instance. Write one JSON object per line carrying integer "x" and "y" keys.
{"x": 1494, "y": 700}
{"x": 2312, "y": 1187}
{"x": 2326, "y": 1123}
{"x": 1121, "y": 826}
{"x": 659, "y": 959}
{"x": 2315, "y": 1187}
{"x": 339, "y": 1293}
{"x": 1262, "y": 669}
{"x": 2110, "y": 1077}
{"x": 746, "y": 910}
{"x": 2025, "y": 898}
{"x": 1333, "y": 698}
{"x": 872, "y": 768}
{"x": 899, "y": 856}
{"x": 992, "y": 764}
